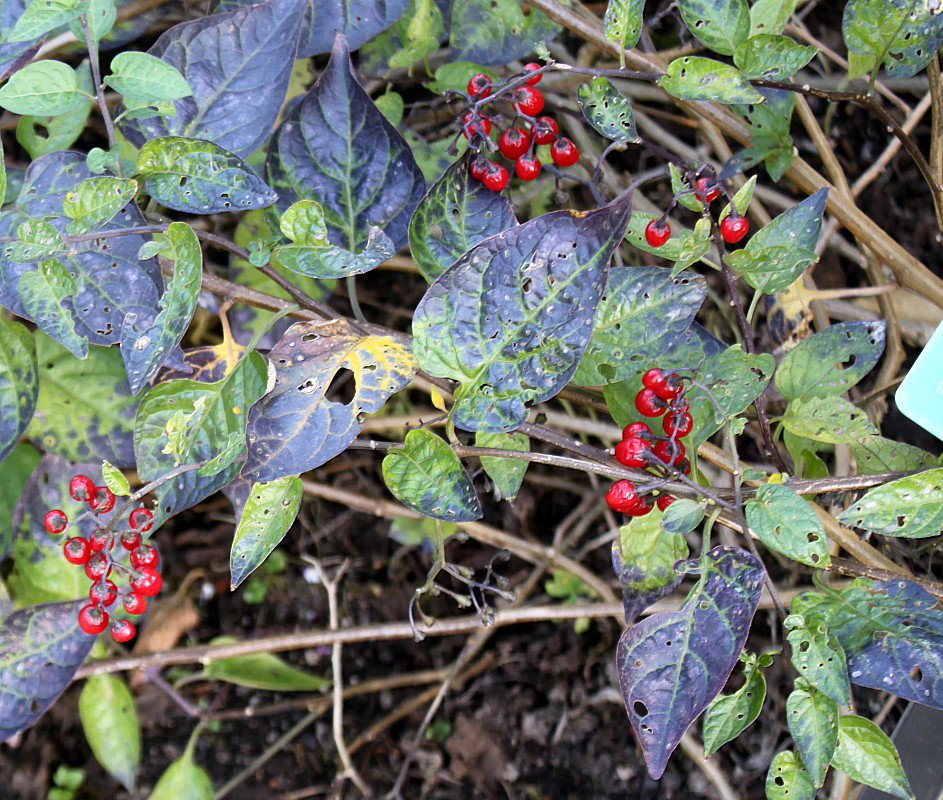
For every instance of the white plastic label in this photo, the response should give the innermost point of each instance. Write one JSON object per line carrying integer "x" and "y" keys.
{"x": 920, "y": 396}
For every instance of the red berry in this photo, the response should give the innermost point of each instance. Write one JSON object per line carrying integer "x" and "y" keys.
{"x": 532, "y": 67}
{"x": 146, "y": 581}
{"x": 632, "y": 453}
{"x": 514, "y": 142}
{"x": 144, "y": 556}
{"x": 100, "y": 540}
{"x": 664, "y": 448}
{"x": 139, "y": 517}
{"x": 479, "y": 86}
{"x": 564, "y": 153}
{"x": 527, "y": 167}
{"x": 482, "y": 127}
{"x": 657, "y": 232}
{"x": 102, "y": 500}
{"x": 622, "y": 496}
{"x": 671, "y": 388}
{"x": 650, "y": 404}
{"x": 130, "y": 540}
{"x": 734, "y": 227}
{"x": 546, "y": 130}
{"x": 98, "y": 566}
{"x": 676, "y": 424}
{"x": 77, "y": 550}
{"x": 636, "y": 430}
{"x": 642, "y": 507}
{"x": 496, "y": 178}
{"x": 123, "y": 630}
{"x": 654, "y": 379}
{"x": 134, "y": 603}
{"x": 529, "y": 101}
{"x": 663, "y": 501}
{"x": 479, "y": 167}
{"x": 103, "y": 595}
{"x": 55, "y": 521}
{"x": 685, "y": 466}
{"x": 81, "y": 487}
{"x": 680, "y": 406}
{"x": 93, "y": 619}
{"x": 707, "y": 189}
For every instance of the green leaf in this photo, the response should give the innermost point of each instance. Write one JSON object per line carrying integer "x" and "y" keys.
{"x": 729, "y": 715}
{"x": 232, "y": 450}
{"x": 696, "y": 78}
{"x": 183, "y": 780}
{"x": 720, "y": 25}
{"x": 115, "y": 479}
{"x": 813, "y": 722}
{"x": 392, "y": 107}
{"x": 771, "y": 16}
{"x": 506, "y": 473}
{"x": 827, "y": 419}
{"x": 146, "y": 77}
{"x": 94, "y": 201}
{"x": 682, "y": 516}
{"x": 111, "y": 727}
{"x": 903, "y": 34}
{"x": 40, "y": 135}
{"x": 771, "y": 57}
{"x": 269, "y": 512}
{"x": 878, "y": 454}
{"x": 41, "y": 16}
{"x": 428, "y": 477}
{"x": 19, "y": 387}
{"x": 911, "y": 507}
{"x": 16, "y": 469}
{"x": 136, "y": 108}
{"x": 865, "y": 754}
{"x": 819, "y": 658}
{"x": 454, "y": 75}
{"x": 36, "y": 239}
{"x": 608, "y": 110}
{"x": 787, "y": 779}
{"x": 622, "y": 23}
{"x": 101, "y": 15}
{"x": 265, "y": 671}
{"x": 42, "y": 292}
{"x": 497, "y": 31}
{"x": 786, "y": 523}
{"x": 40, "y": 88}
{"x": 671, "y": 250}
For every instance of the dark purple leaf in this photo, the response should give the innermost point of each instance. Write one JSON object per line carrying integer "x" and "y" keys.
{"x": 41, "y": 647}
{"x": 15, "y": 56}
{"x": 336, "y": 148}
{"x": 238, "y": 64}
{"x": 671, "y": 665}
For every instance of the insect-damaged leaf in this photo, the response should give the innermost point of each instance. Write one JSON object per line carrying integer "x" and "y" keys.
{"x": 721, "y": 25}
{"x": 608, "y": 110}
{"x": 497, "y": 31}
{"x": 911, "y": 507}
{"x": 786, "y": 523}
{"x": 672, "y": 664}
{"x": 902, "y": 34}
{"x": 41, "y": 647}
{"x": 788, "y": 779}
{"x": 268, "y": 513}
{"x": 336, "y": 148}
{"x": 622, "y": 22}
{"x": 511, "y": 318}
{"x": 729, "y": 715}
{"x": 696, "y": 78}
{"x": 295, "y": 427}
{"x": 818, "y": 657}
{"x": 19, "y": 383}
{"x": 813, "y": 722}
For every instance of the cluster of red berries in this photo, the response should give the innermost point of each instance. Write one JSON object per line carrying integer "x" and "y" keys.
{"x": 95, "y": 554}
{"x": 518, "y": 142}
{"x": 733, "y": 227}
{"x": 662, "y": 393}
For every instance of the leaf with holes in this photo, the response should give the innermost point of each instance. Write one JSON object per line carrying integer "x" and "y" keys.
{"x": 608, "y": 110}
{"x": 41, "y": 647}
{"x": 720, "y": 25}
{"x": 427, "y": 476}
{"x": 457, "y": 213}
{"x": 622, "y": 23}
{"x": 671, "y": 665}
{"x": 42, "y": 293}
{"x": 237, "y": 64}
{"x": 771, "y": 16}
{"x": 146, "y": 77}
{"x": 813, "y": 723}
{"x": 95, "y": 201}
{"x": 269, "y": 512}
{"x": 879, "y": 454}
{"x": 512, "y": 317}
{"x": 831, "y": 361}
{"x": 865, "y": 754}
{"x": 827, "y": 419}
{"x": 19, "y": 384}
{"x": 144, "y": 348}
{"x": 729, "y": 715}
{"x": 111, "y": 727}
{"x": 336, "y": 148}
{"x": 296, "y": 427}
{"x": 696, "y": 78}
{"x": 507, "y": 474}
{"x": 771, "y": 57}
{"x": 199, "y": 177}
{"x": 910, "y": 507}
{"x": 786, "y": 523}
{"x": 497, "y": 31}
{"x": 788, "y": 779}
{"x": 819, "y": 658}
{"x": 902, "y": 34}
{"x": 35, "y": 240}
{"x": 312, "y": 253}
{"x": 642, "y": 314}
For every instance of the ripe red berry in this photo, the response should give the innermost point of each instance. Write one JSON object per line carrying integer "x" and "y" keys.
{"x": 123, "y": 630}
{"x": 144, "y": 556}
{"x": 93, "y": 619}
{"x": 664, "y": 448}
{"x": 663, "y": 501}
{"x": 482, "y": 126}
{"x": 672, "y": 387}
{"x": 98, "y": 566}
{"x": 684, "y": 466}
{"x": 134, "y": 603}
{"x": 636, "y": 430}
{"x": 622, "y": 496}
{"x": 140, "y": 518}
{"x": 654, "y": 379}
{"x": 130, "y": 540}
{"x": 479, "y": 86}
{"x": 680, "y": 406}
{"x": 529, "y": 101}
{"x": 644, "y": 505}
{"x": 103, "y": 595}
{"x": 55, "y": 521}
{"x": 707, "y": 189}
{"x": 81, "y": 487}
{"x": 77, "y": 550}
{"x": 514, "y": 142}
{"x": 102, "y": 500}
{"x": 734, "y": 227}
{"x": 496, "y": 178}
{"x": 632, "y": 453}
{"x": 100, "y": 540}
{"x": 650, "y": 404}
{"x": 532, "y": 67}
{"x": 546, "y": 130}
{"x": 146, "y": 581}
{"x": 479, "y": 167}
{"x": 657, "y": 232}
{"x": 564, "y": 153}
{"x": 527, "y": 167}
{"x": 676, "y": 424}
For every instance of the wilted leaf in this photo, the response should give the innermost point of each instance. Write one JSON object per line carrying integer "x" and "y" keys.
{"x": 827, "y": 419}
{"x": 506, "y": 473}
{"x": 729, "y": 715}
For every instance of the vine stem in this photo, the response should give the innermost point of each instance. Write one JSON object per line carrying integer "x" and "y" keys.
{"x": 97, "y": 79}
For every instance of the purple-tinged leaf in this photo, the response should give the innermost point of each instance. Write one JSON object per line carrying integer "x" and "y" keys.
{"x": 238, "y": 64}
{"x": 671, "y": 665}
{"x": 19, "y": 383}
{"x": 497, "y": 31}
{"x": 511, "y": 319}
{"x": 336, "y": 148}
{"x": 41, "y": 647}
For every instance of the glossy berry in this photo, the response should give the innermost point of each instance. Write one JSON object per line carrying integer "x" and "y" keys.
{"x": 98, "y": 566}
{"x": 676, "y": 424}
{"x": 130, "y": 540}
{"x": 55, "y": 521}
{"x": 637, "y": 430}
{"x": 134, "y": 603}
{"x": 642, "y": 507}
{"x": 102, "y": 500}
{"x": 144, "y": 556}
{"x": 654, "y": 379}
{"x": 482, "y": 127}
{"x": 564, "y": 153}
{"x": 77, "y": 550}
{"x": 533, "y": 80}
{"x": 650, "y": 404}
{"x": 657, "y": 232}
{"x": 479, "y": 167}
{"x": 514, "y": 142}
{"x": 527, "y": 167}
{"x": 546, "y": 130}
{"x": 663, "y": 501}
{"x": 684, "y": 466}
{"x": 734, "y": 227}
{"x": 93, "y": 619}
{"x": 529, "y": 101}
{"x": 123, "y": 630}
{"x": 103, "y": 595}
{"x": 707, "y": 189}
{"x": 664, "y": 448}
{"x": 141, "y": 518}
{"x": 672, "y": 386}
{"x": 632, "y": 453}
{"x": 622, "y": 496}
{"x": 146, "y": 581}
{"x": 680, "y": 406}
{"x": 100, "y": 540}
{"x": 496, "y": 178}
{"x": 81, "y": 487}
{"x": 479, "y": 86}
